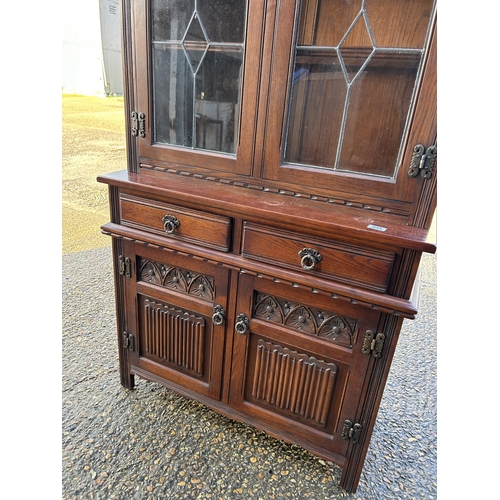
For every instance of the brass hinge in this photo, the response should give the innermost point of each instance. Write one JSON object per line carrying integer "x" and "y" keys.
{"x": 138, "y": 124}
{"x": 351, "y": 431}
{"x": 128, "y": 341}
{"x": 373, "y": 343}
{"x": 124, "y": 266}
{"x": 422, "y": 161}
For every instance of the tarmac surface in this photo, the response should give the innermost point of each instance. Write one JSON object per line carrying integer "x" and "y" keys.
{"x": 150, "y": 443}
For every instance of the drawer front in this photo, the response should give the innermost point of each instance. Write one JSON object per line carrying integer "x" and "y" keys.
{"x": 323, "y": 258}
{"x": 175, "y": 222}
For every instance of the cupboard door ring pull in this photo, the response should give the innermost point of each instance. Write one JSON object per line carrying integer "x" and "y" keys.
{"x": 170, "y": 223}
{"x": 242, "y": 324}
{"x": 309, "y": 258}
{"x": 219, "y": 315}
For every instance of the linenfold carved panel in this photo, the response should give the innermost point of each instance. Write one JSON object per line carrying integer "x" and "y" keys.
{"x": 294, "y": 382}
{"x": 176, "y": 337}
{"x": 306, "y": 319}
{"x": 175, "y": 278}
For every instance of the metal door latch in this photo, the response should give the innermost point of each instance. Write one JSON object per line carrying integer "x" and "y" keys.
{"x": 242, "y": 324}
{"x": 219, "y": 315}
{"x": 351, "y": 431}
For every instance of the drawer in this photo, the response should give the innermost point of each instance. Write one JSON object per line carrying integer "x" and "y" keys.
{"x": 175, "y": 222}
{"x": 345, "y": 263}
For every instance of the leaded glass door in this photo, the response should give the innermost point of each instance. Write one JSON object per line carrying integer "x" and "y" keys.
{"x": 348, "y": 90}
{"x": 190, "y": 73}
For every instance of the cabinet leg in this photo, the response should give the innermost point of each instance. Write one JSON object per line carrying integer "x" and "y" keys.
{"x": 349, "y": 479}
{"x": 127, "y": 379}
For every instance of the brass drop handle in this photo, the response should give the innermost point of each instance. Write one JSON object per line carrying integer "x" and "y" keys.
{"x": 309, "y": 258}
{"x": 242, "y": 324}
{"x": 170, "y": 223}
{"x": 219, "y": 315}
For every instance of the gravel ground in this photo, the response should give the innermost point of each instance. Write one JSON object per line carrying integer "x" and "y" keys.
{"x": 150, "y": 443}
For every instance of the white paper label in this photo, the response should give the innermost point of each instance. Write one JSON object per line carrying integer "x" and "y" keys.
{"x": 377, "y": 228}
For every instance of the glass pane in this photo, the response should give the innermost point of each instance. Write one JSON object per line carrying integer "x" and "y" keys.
{"x": 223, "y": 19}
{"x": 197, "y": 72}
{"x": 173, "y": 101}
{"x": 170, "y": 18}
{"x": 217, "y": 100}
{"x": 324, "y": 23}
{"x": 195, "y": 44}
{"x": 411, "y": 18}
{"x": 378, "y": 107}
{"x": 318, "y": 96}
{"x": 356, "y": 64}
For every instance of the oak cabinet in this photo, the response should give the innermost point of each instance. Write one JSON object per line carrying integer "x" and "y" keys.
{"x": 280, "y": 185}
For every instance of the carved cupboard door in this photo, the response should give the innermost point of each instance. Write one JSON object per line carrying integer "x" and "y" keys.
{"x": 298, "y": 364}
{"x": 176, "y": 329}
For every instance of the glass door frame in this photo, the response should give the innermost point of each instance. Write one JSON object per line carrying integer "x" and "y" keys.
{"x": 242, "y": 162}
{"x": 421, "y": 127}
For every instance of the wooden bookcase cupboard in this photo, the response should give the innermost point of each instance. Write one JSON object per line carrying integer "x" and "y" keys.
{"x": 280, "y": 185}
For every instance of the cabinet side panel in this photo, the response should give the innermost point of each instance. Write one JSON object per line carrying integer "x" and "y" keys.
{"x": 424, "y": 132}
{"x": 369, "y": 407}
{"x": 114, "y": 204}
{"x": 128, "y": 79}
{"x": 126, "y": 378}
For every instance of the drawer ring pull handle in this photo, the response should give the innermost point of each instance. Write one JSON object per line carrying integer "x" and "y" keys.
{"x": 170, "y": 223}
{"x": 242, "y": 324}
{"x": 309, "y": 258}
{"x": 219, "y": 315}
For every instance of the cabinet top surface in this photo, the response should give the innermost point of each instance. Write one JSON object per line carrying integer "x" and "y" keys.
{"x": 357, "y": 225}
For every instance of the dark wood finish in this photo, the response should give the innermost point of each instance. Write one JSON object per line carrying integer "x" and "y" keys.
{"x": 349, "y": 264}
{"x": 320, "y": 218}
{"x": 128, "y": 63}
{"x": 313, "y": 403}
{"x": 301, "y": 361}
{"x": 242, "y": 163}
{"x": 335, "y": 290}
{"x": 194, "y": 226}
{"x": 170, "y": 301}
{"x": 339, "y": 183}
